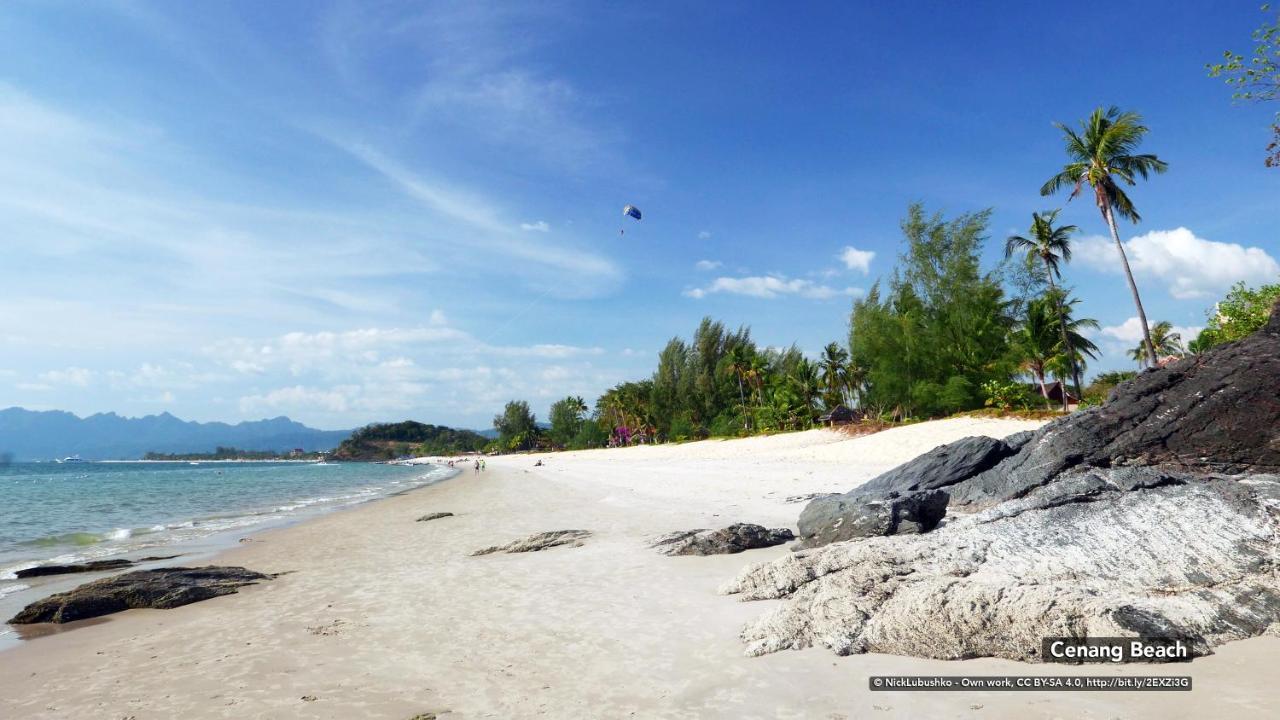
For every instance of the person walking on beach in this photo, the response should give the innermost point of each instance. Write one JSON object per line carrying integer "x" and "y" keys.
{"x": 477, "y": 467}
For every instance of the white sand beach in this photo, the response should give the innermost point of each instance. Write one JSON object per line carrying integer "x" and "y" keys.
{"x": 379, "y": 616}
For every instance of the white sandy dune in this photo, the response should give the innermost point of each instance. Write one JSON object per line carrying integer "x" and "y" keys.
{"x": 380, "y": 616}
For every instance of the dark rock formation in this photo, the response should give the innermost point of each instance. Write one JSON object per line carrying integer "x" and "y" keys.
{"x": 906, "y": 500}
{"x": 539, "y": 541}
{"x": 733, "y": 539}
{"x": 161, "y": 588}
{"x": 91, "y": 566}
{"x": 1154, "y": 514}
{"x": 434, "y": 516}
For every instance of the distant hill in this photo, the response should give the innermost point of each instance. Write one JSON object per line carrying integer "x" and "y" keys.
{"x": 391, "y": 440}
{"x": 44, "y": 435}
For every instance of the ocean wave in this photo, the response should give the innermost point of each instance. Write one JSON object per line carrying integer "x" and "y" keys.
{"x": 7, "y": 589}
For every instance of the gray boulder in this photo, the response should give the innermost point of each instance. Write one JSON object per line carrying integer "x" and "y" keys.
{"x": 733, "y": 539}
{"x": 908, "y": 499}
{"x": 942, "y": 466}
{"x": 162, "y": 588}
{"x": 858, "y": 515}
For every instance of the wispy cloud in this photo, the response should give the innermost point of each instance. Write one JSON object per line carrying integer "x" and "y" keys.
{"x": 707, "y": 264}
{"x": 464, "y": 70}
{"x": 771, "y": 287}
{"x": 539, "y": 226}
{"x": 581, "y": 272}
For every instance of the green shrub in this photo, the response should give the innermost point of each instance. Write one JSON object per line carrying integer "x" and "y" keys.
{"x": 1006, "y": 395}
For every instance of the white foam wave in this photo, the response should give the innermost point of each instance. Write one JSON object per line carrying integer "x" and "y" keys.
{"x": 11, "y": 589}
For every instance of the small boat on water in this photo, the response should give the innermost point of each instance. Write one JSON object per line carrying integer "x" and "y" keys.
{"x": 71, "y": 459}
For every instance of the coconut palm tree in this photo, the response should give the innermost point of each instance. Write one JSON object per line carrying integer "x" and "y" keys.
{"x": 1102, "y": 153}
{"x": 834, "y": 374}
{"x": 1052, "y": 246}
{"x": 1165, "y": 341}
{"x": 808, "y": 384}
{"x": 1078, "y": 347}
{"x": 1037, "y": 341}
{"x": 739, "y": 365}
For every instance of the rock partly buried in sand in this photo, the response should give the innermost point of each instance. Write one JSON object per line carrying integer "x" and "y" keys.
{"x": 539, "y": 541}
{"x": 733, "y": 539}
{"x": 91, "y": 566}
{"x": 1154, "y": 515}
{"x": 434, "y": 516}
{"x": 161, "y": 588}
{"x": 909, "y": 499}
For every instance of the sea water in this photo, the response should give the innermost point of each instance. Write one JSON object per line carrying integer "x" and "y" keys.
{"x": 74, "y": 512}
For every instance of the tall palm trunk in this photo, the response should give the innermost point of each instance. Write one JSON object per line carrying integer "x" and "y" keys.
{"x": 1066, "y": 344}
{"x": 1043, "y": 389}
{"x": 1105, "y": 203}
{"x": 742, "y": 400}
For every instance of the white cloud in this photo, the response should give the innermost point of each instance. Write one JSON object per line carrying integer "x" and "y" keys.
{"x": 1191, "y": 266}
{"x": 770, "y": 287}
{"x": 707, "y": 264}
{"x": 73, "y": 376}
{"x": 164, "y": 376}
{"x": 540, "y": 226}
{"x": 1130, "y": 332}
{"x": 377, "y": 372}
{"x": 856, "y": 259}
{"x": 704, "y": 235}
{"x": 293, "y": 399}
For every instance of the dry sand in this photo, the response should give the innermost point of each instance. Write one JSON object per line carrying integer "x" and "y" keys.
{"x": 380, "y": 616}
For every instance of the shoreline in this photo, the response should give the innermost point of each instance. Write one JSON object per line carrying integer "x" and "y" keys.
{"x": 381, "y": 616}
{"x": 201, "y": 549}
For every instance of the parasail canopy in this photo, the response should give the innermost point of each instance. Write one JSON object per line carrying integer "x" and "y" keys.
{"x": 632, "y": 211}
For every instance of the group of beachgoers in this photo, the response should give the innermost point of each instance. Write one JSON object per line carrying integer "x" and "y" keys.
{"x": 477, "y": 465}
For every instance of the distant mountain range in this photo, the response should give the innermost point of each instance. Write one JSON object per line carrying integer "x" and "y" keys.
{"x": 45, "y": 435}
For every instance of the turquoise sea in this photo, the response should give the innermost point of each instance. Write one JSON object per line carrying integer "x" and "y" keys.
{"x": 74, "y": 512}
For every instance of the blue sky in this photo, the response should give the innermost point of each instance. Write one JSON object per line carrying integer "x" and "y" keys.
{"x": 348, "y": 212}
